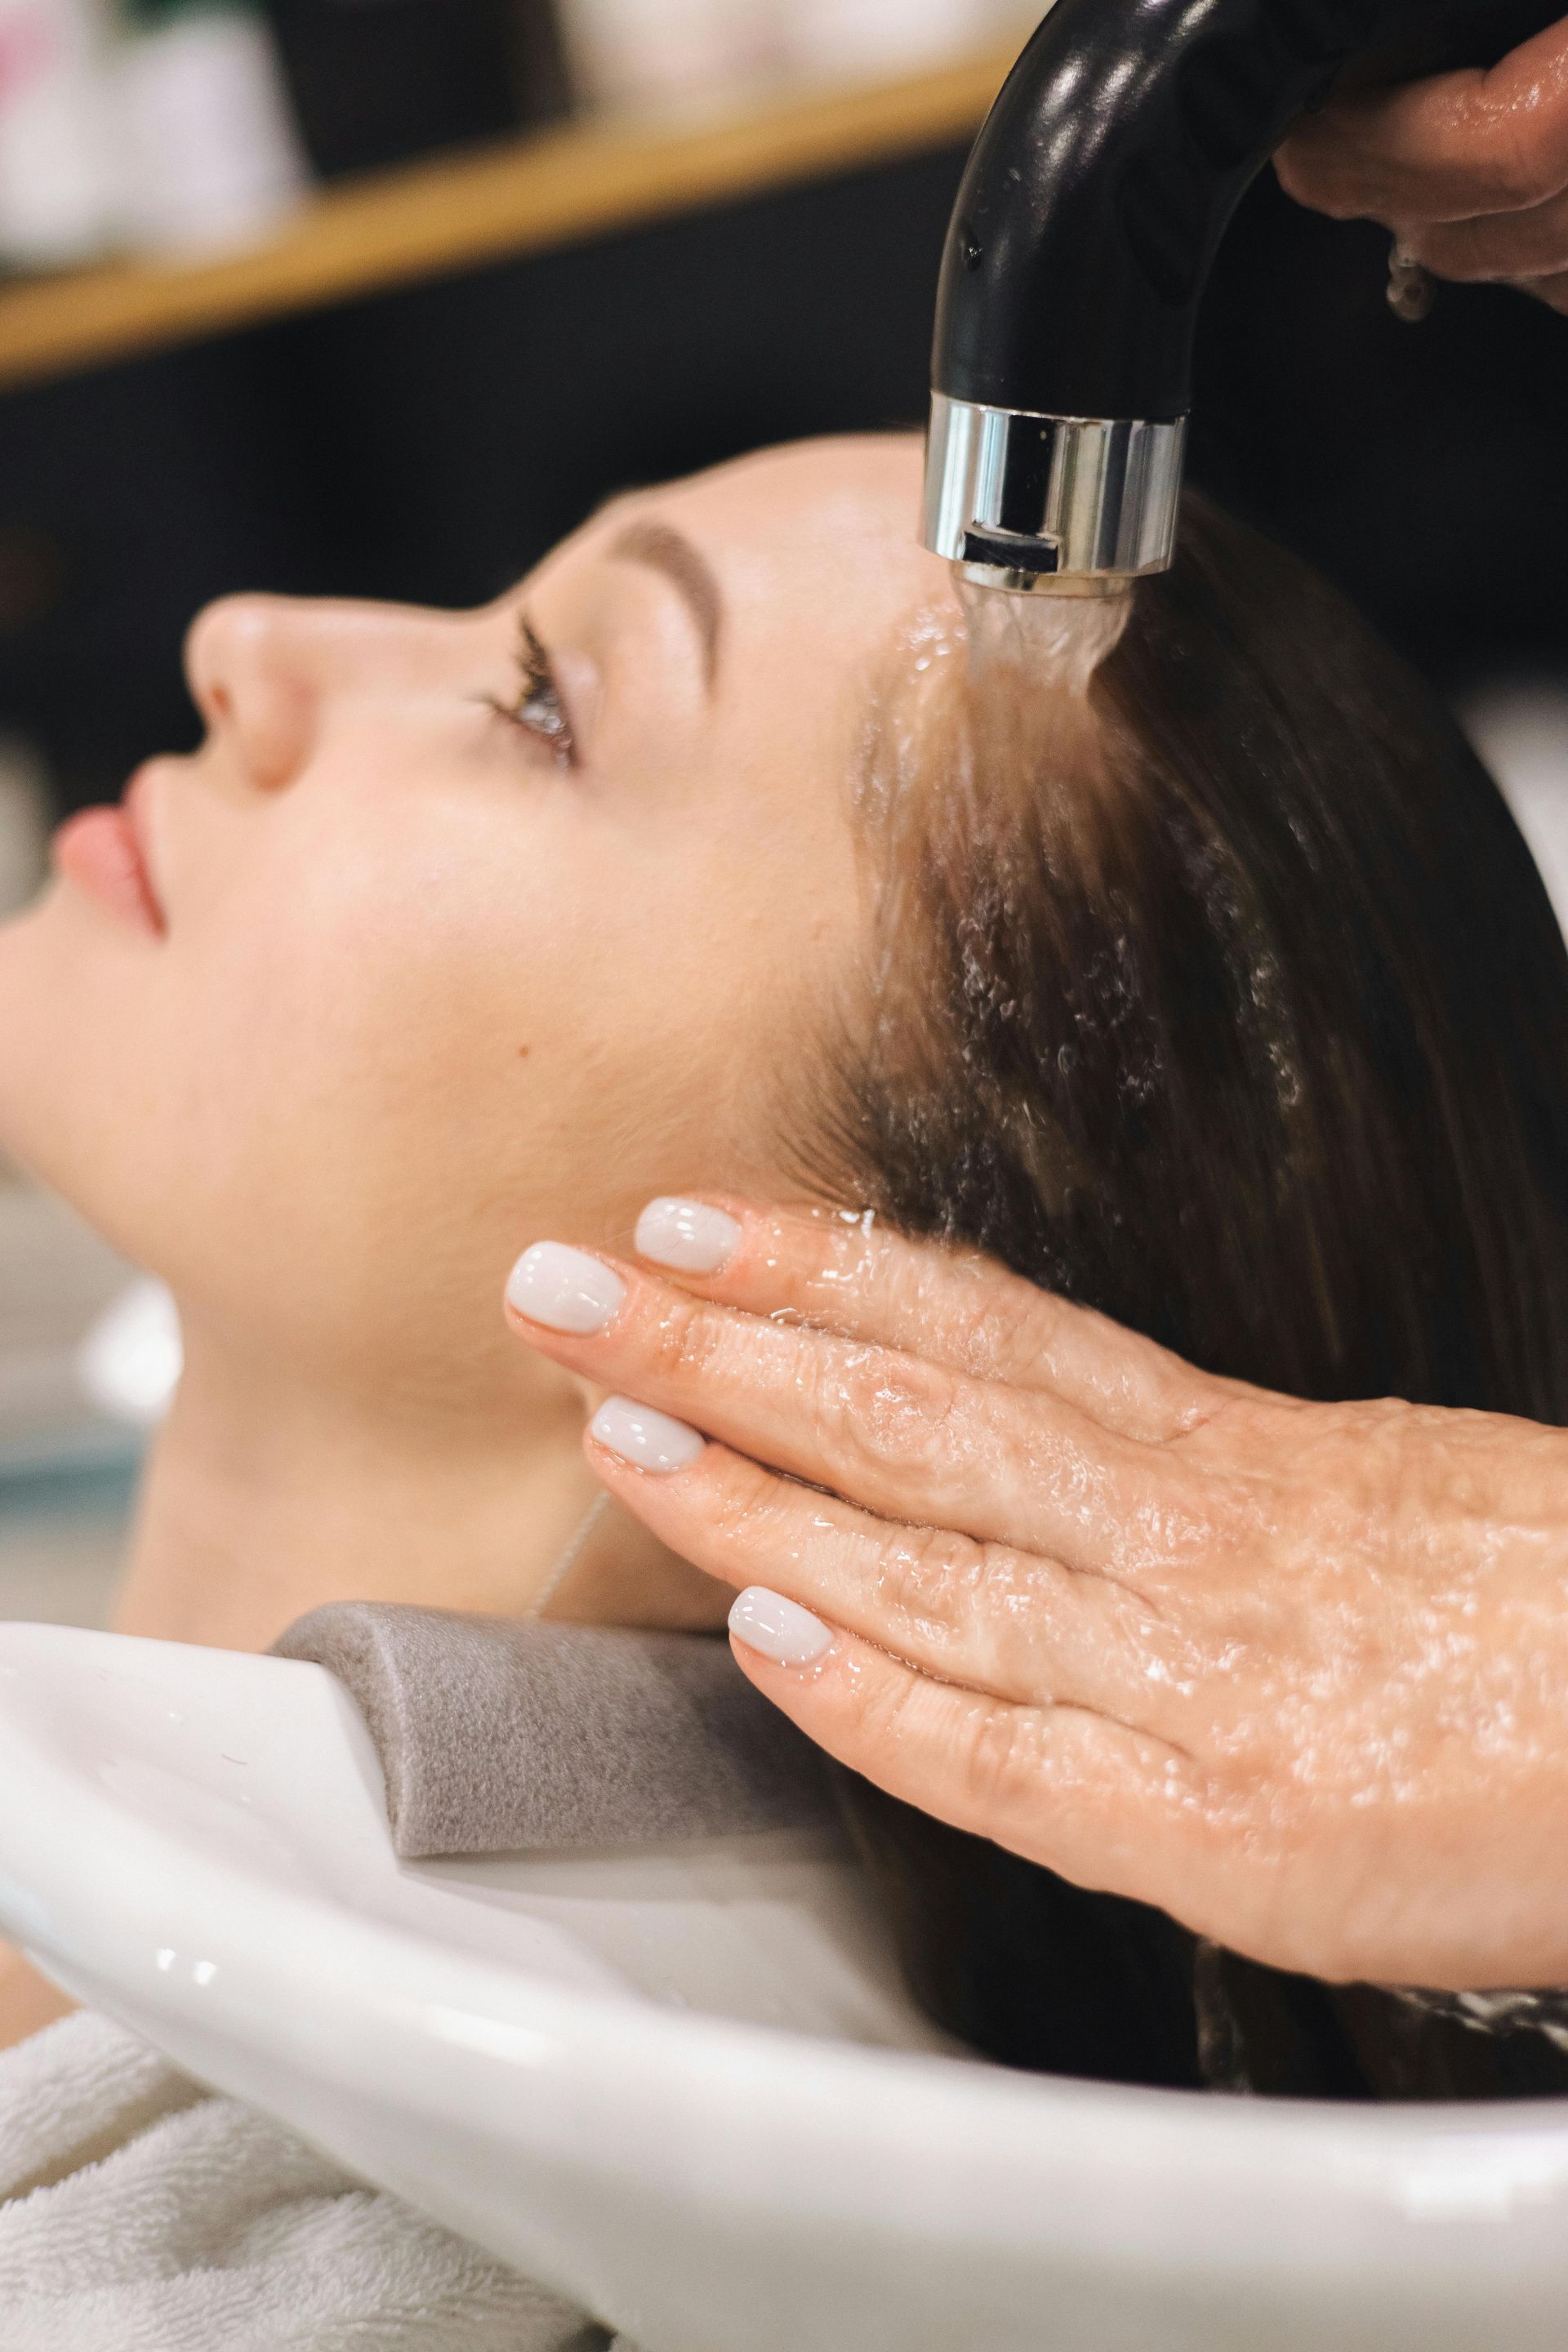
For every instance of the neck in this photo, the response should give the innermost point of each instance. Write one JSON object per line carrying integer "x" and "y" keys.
{"x": 267, "y": 1497}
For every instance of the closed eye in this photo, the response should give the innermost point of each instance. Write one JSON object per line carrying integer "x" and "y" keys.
{"x": 539, "y": 706}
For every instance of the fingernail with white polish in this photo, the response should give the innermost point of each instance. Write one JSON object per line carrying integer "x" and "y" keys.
{"x": 780, "y": 1628}
{"x": 686, "y": 1235}
{"x": 651, "y": 1439}
{"x": 566, "y": 1290}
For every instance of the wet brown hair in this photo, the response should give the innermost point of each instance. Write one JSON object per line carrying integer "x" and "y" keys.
{"x": 1238, "y": 1010}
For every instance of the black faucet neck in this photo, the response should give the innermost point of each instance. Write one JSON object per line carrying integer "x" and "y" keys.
{"x": 1102, "y": 184}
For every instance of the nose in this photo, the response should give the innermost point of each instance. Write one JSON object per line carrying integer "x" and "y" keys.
{"x": 254, "y": 673}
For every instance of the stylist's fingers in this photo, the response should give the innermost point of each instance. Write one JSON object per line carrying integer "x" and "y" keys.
{"x": 1000, "y": 1621}
{"x": 854, "y": 1277}
{"x": 1513, "y": 245}
{"x": 906, "y": 1439}
{"x": 1552, "y": 291}
{"x": 1112, "y": 1809}
{"x": 1445, "y": 149}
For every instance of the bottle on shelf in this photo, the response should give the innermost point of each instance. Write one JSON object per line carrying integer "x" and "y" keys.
{"x": 680, "y": 55}
{"x": 856, "y": 39}
{"x": 207, "y": 150}
{"x": 376, "y": 82}
{"x": 57, "y": 184}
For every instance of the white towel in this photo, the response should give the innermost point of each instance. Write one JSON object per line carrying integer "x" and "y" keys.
{"x": 142, "y": 2214}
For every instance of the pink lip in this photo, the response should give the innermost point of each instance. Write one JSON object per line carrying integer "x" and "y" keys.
{"x": 101, "y": 851}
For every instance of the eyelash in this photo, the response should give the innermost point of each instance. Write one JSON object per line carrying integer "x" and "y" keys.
{"x": 538, "y": 708}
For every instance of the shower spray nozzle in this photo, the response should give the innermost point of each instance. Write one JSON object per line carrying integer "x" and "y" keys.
{"x": 1085, "y": 232}
{"x": 1074, "y": 505}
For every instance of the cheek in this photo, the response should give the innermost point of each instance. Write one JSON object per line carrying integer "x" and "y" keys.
{"x": 435, "y": 1066}
{"x": 295, "y": 1108}
{"x": 354, "y": 1083}
{"x": 384, "y": 1074}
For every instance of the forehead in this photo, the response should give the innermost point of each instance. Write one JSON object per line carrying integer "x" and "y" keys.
{"x": 824, "y": 528}
{"x": 860, "y": 493}
{"x": 848, "y": 490}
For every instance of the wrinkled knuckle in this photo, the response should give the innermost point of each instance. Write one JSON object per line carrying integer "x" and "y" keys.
{"x": 747, "y": 1508}
{"x": 684, "y": 1342}
{"x": 1028, "y": 1336}
{"x": 1239, "y": 1428}
{"x": 992, "y": 1320}
{"x": 884, "y": 1414}
{"x": 999, "y": 1763}
{"x": 881, "y": 1710}
{"x": 985, "y": 1338}
{"x": 918, "y": 1569}
{"x": 859, "y": 1400}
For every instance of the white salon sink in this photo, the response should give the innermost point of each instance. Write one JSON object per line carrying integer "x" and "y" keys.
{"x": 681, "y": 2086}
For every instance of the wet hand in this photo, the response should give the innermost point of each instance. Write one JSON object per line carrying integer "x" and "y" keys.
{"x": 1297, "y": 1673}
{"x": 1469, "y": 169}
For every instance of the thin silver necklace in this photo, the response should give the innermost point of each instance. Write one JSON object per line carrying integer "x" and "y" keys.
{"x": 571, "y": 1555}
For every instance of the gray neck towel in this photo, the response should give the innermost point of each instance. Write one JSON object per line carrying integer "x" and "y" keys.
{"x": 499, "y": 1735}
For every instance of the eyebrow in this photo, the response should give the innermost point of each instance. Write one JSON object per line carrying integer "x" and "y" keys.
{"x": 664, "y": 548}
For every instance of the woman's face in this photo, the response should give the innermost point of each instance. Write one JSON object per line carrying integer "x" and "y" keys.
{"x": 441, "y": 950}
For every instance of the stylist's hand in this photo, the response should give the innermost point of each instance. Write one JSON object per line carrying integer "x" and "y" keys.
{"x": 1469, "y": 169}
{"x": 1297, "y": 1674}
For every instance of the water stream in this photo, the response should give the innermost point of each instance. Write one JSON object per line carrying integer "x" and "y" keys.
{"x": 1061, "y": 639}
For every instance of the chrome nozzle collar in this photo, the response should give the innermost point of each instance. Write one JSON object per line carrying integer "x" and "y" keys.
{"x": 1066, "y": 506}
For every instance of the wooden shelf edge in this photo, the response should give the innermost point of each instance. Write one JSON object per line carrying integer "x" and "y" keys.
{"x": 431, "y": 219}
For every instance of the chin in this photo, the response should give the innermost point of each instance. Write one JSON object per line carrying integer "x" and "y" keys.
{"x": 49, "y": 1153}
{"x": 68, "y": 1111}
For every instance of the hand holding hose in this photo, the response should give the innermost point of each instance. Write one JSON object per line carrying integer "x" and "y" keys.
{"x": 1297, "y": 1673}
{"x": 1469, "y": 169}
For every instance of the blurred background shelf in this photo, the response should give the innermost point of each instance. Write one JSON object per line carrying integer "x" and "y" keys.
{"x": 546, "y": 191}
